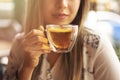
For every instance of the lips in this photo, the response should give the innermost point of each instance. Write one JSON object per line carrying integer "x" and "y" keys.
{"x": 61, "y": 16}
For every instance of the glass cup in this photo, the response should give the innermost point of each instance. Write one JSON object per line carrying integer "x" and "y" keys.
{"x": 61, "y": 37}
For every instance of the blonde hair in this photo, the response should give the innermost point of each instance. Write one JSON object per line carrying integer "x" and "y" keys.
{"x": 74, "y": 60}
{"x": 33, "y": 15}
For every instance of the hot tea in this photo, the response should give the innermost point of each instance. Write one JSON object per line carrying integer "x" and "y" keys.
{"x": 61, "y": 37}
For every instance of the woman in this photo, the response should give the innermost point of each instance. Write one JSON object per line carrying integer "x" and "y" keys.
{"x": 31, "y": 58}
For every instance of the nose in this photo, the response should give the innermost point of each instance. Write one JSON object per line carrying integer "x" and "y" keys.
{"x": 63, "y": 3}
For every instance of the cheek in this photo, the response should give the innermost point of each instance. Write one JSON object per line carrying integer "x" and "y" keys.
{"x": 46, "y": 11}
{"x": 46, "y": 6}
{"x": 75, "y": 6}
{"x": 74, "y": 10}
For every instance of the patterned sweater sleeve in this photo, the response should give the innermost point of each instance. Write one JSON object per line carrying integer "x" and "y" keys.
{"x": 100, "y": 59}
{"x": 14, "y": 60}
{"x": 106, "y": 64}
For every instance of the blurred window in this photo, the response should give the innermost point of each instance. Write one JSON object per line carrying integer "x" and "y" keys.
{"x": 6, "y": 9}
{"x": 9, "y": 25}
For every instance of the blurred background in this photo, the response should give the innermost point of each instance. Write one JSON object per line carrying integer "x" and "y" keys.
{"x": 104, "y": 17}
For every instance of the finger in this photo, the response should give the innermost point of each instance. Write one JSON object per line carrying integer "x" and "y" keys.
{"x": 34, "y": 32}
{"x": 41, "y": 39}
{"x": 36, "y": 40}
{"x": 40, "y": 52}
{"x": 45, "y": 47}
{"x": 39, "y": 48}
{"x": 41, "y": 28}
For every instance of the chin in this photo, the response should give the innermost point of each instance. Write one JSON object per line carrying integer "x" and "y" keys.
{"x": 61, "y": 23}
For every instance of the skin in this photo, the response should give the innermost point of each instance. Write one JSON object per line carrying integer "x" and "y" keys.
{"x": 60, "y": 11}
{"x": 35, "y": 43}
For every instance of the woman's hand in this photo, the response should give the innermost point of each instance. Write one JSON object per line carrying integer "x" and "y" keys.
{"x": 34, "y": 44}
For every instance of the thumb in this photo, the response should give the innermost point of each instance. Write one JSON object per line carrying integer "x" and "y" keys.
{"x": 41, "y": 28}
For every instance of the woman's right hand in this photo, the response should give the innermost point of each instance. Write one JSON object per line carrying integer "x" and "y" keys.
{"x": 34, "y": 44}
